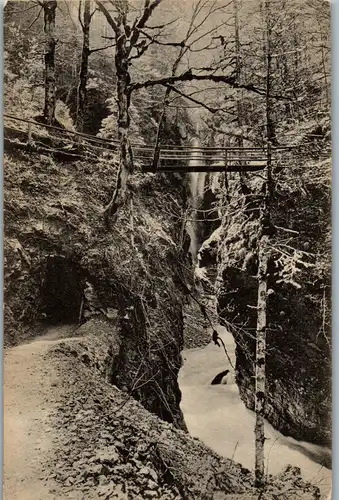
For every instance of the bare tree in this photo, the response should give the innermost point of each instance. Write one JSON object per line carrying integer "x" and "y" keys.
{"x": 49, "y": 7}
{"x": 85, "y": 15}
{"x": 133, "y": 36}
{"x": 265, "y": 228}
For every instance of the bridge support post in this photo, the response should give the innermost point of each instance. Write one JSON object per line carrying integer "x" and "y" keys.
{"x": 29, "y": 133}
{"x": 156, "y": 158}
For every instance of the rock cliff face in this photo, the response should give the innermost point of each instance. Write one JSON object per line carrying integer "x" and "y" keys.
{"x": 62, "y": 265}
{"x": 298, "y": 336}
{"x": 129, "y": 453}
{"x": 298, "y": 363}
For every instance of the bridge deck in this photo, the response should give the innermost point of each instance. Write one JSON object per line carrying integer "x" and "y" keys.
{"x": 166, "y": 158}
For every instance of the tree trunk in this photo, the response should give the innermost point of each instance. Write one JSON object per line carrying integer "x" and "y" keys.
{"x": 260, "y": 367}
{"x": 270, "y": 126}
{"x": 124, "y": 101}
{"x": 238, "y": 68}
{"x": 260, "y": 361}
{"x": 49, "y": 7}
{"x": 81, "y": 91}
{"x": 263, "y": 257}
{"x": 239, "y": 140}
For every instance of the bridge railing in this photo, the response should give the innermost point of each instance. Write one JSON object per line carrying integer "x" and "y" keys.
{"x": 163, "y": 158}
{"x": 29, "y": 131}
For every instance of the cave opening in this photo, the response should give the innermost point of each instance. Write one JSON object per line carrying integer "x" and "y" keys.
{"x": 62, "y": 291}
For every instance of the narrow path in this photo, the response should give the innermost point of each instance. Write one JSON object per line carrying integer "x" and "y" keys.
{"x": 30, "y": 397}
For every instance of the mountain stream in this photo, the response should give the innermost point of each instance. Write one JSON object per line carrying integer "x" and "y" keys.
{"x": 216, "y": 415}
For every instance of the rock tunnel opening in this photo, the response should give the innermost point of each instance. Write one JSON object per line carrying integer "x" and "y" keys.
{"x": 62, "y": 291}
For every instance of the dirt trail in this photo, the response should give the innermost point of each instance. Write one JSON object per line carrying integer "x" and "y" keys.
{"x": 30, "y": 397}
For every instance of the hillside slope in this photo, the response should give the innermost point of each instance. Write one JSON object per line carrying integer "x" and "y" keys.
{"x": 101, "y": 443}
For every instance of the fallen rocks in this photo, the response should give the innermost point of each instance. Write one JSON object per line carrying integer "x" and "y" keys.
{"x": 110, "y": 447}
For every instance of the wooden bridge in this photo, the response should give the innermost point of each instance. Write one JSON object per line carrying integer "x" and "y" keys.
{"x": 67, "y": 144}
{"x": 200, "y": 159}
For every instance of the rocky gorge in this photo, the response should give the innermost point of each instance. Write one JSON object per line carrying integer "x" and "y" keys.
{"x": 167, "y": 194}
{"x": 149, "y": 316}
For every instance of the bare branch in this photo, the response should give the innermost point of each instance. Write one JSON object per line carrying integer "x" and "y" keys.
{"x": 141, "y": 48}
{"x": 79, "y": 14}
{"x": 153, "y": 39}
{"x": 35, "y": 19}
{"x": 211, "y": 11}
{"x": 102, "y": 48}
{"x": 172, "y": 104}
{"x": 189, "y": 76}
{"x": 233, "y": 134}
{"x": 161, "y": 26}
{"x": 108, "y": 16}
{"x": 19, "y": 11}
{"x": 94, "y": 11}
{"x": 189, "y": 98}
{"x": 288, "y": 230}
{"x": 209, "y": 32}
{"x": 140, "y": 24}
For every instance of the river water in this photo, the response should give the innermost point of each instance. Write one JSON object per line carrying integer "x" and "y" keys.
{"x": 216, "y": 415}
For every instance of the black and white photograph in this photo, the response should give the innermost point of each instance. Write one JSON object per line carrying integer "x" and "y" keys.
{"x": 167, "y": 250}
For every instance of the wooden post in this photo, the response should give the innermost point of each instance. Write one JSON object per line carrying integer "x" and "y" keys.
{"x": 156, "y": 157}
{"x": 29, "y": 133}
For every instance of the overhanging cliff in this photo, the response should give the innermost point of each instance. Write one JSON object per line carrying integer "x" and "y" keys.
{"x": 62, "y": 265}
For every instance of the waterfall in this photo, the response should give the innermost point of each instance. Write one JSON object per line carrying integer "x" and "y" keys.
{"x": 197, "y": 186}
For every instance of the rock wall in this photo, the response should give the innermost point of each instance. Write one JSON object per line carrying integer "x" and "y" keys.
{"x": 298, "y": 308}
{"x": 298, "y": 304}
{"x": 62, "y": 265}
{"x": 298, "y": 361}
